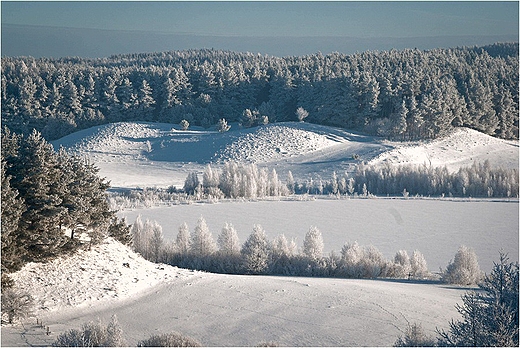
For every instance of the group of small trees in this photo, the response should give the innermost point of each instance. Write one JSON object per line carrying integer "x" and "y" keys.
{"x": 259, "y": 255}
{"x": 248, "y": 181}
{"x": 235, "y": 181}
{"x": 49, "y": 200}
{"x": 94, "y": 334}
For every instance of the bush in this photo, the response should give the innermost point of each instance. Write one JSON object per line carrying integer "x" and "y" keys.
{"x": 16, "y": 305}
{"x": 464, "y": 270}
{"x": 169, "y": 340}
{"x": 414, "y": 337}
{"x": 93, "y": 335}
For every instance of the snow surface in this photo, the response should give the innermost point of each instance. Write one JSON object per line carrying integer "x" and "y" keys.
{"x": 460, "y": 148}
{"x": 222, "y": 310}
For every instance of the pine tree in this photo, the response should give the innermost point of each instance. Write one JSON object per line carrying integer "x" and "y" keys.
{"x": 490, "y": 316}
{"x": 38, "y": 182}
{"x": 12, "y": 208}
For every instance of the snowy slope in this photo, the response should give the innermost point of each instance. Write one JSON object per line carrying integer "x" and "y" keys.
{"x": 460, "y": 148}
{"x": 137, "y": 154}
{"x": 223, "y": 310}
{"x": 108, "y": 271}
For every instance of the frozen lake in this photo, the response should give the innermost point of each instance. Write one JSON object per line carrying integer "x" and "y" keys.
{"x": 435, "y": 227}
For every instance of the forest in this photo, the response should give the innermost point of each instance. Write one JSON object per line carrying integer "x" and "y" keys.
{"x": 400, "y": 94}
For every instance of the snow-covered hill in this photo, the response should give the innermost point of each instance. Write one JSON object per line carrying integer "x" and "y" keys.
{"x": 222, "y": 310}
{"x": 107, "y": 271}
{"x": 460, "y": 148}
{"x": 132, "y": 154}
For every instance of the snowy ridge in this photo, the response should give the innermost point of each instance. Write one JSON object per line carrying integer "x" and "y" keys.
{"x": 460, "y": 148}
{"x": 274, "y": 142}
{"x": 108, "y": 271}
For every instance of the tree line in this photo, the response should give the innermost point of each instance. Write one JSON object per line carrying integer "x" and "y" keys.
{"x": 402, "y": 94}
{"x": 52, "y": 202}
{"x": 251, "y": 182}
{"x": 199, "y": 250}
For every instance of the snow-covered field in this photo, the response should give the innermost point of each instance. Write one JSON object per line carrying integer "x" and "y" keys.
{"x": 225, "y": 310}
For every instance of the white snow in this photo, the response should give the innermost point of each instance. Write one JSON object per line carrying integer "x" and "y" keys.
{"x": 223, "y": 310}
{"x": 461, "y": 148}
{"x": 108, "y": 271}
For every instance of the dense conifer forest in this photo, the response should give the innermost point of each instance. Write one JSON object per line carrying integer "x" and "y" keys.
{"x": 404, "y": 95}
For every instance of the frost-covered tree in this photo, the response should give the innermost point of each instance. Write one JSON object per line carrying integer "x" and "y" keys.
{"x": 228, "y": 240}
{"x": 415, "y": 336}
{"x": 182, "y": 242}
{"x": 313, "y": 244}
{"x": 301, "y": 114}
{"x": 464, "y": 269}
{"x": 191, "y": 183}
{"x": 418, "y": 265}
{"x": 93, "y": 334}
{"x": 184, "y": 124}
{"x": 256, "y": 251}
{"x": 201, "y": 240}
{"x": 222, "y": 125}
{"x": 156, "y": 242}
{"x": 402, "y": 265}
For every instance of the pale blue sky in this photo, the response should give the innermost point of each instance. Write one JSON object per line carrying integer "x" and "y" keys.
{"x": 265, "y": 19}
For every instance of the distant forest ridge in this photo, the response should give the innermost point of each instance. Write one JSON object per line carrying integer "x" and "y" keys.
{"x": 400, "y": 94}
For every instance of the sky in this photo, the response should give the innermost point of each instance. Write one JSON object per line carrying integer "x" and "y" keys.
{"x": 96, "y": 29}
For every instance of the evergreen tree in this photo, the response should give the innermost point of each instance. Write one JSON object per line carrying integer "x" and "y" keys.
{"x": 490, "y": 316}
{"x": 12, "y": 208}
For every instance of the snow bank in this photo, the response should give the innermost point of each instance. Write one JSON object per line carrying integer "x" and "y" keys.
{"x": 461, "y": 148}
{"x": 108, "y": 271}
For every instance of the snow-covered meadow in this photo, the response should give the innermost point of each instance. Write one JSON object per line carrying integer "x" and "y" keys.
{"x": 226, "y": 310}
{"x": 222, "y": 310}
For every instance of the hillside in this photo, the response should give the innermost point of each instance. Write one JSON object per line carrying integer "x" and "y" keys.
{"x": 132, "y": 154}
{"x": 223, "y": 310}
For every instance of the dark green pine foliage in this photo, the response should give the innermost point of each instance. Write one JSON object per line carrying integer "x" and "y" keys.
{"x": 51, "y": 202}
{"x": 83, "y": 197}
{"x": 490, "y": 316}
{"x": 38, "y": 182}
{"x": 12, "y": 208}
